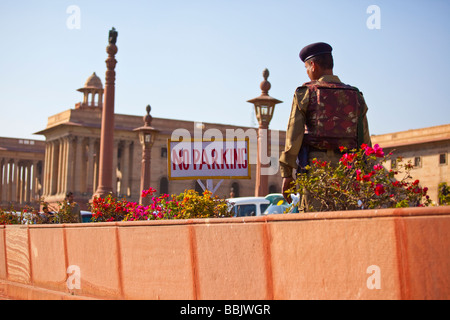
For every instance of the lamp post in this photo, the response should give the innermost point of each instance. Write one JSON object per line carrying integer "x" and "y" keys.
{"x": 107, "y": 129}
{"x": 264, "y": 108}
{"x": 147, "y": 136}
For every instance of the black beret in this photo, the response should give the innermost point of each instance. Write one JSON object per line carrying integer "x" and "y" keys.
{"x": 314, "y": 49}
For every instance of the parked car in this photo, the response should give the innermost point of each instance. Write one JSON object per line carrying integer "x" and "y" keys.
{"x": 86, "y": 216}
{"x": 275, "y": 198}
{"x": 276, "y": 208}
{"x": 248, "y": 206}
{"x": 280, "y": 205}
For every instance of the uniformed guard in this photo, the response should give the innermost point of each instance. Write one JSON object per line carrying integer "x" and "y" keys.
{"x": 325, "y": 115}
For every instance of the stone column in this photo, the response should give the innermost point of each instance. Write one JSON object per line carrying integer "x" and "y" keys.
{"x": 54, "y": 167}
{"x": 2, "y": 186}
{"x": 6, "y": 178}
{"x": 28, "y": 183}
{"x": 69, "y": 165}
{"x": 46, "y": 171}
{"x": 125, "y": 183}
{"x": 261, "y": 185}
{"x": 78, "y": 166}
{"x": 96, "y": 165}
{"x": 93, "y": 98}
{"x": 59, "y": 174}
{"x": 22, "y": 183}
{"x": 34, "y": 181}
{"x": 90, "y": 166}
{"x": 65, "y": 170}
{"x": 107, "y": 130}
{"x": 114, "y": 167}
{"x": 16, "y": 181}
{"x": 100, "y": 99}
{"x": 3, "y": 180}
{"x": 8, "y": 190}
{"x": 147, "y": 135}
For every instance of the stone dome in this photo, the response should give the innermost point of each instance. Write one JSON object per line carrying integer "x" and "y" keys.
{"x": 93, "y": 82}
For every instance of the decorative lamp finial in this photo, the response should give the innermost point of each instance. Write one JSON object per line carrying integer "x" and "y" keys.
{"x": 265, "y": 85}
{"x": 148, "y": 118}
{"x": 266, "y": 73}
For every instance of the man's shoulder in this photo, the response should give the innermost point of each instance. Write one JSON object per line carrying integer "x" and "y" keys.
{"x": 302, "y": 88}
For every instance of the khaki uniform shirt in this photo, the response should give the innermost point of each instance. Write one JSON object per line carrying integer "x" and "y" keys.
{"x": 296, "y": 127}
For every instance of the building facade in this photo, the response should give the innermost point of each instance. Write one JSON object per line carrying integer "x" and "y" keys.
{"x": 427, "y": 149}
{"x": 68, "y": 159}
{"x": 21, "y": 171}
{"x": 72, "y": 145}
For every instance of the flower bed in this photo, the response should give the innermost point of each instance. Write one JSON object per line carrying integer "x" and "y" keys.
{"x": 186, "y": 205}
{"x": 360, "y": 181}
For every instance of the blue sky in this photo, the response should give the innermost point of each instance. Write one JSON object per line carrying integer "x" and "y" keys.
{"x": 202, "y": 60}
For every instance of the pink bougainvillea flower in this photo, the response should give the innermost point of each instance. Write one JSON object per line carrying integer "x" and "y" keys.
{"x": 368, "y": 151}
{"x": 379, "y": 190}
{"x": 358, "y": 175}
{"x": 377, "y": 167}
{"x": 379, "y": 153}
{"x": 150, "y": 191}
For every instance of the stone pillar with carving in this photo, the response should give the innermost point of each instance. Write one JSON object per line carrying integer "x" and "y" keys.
{"x": 147, "y": 136}
{"x": 107, "y": 129}
{"x": 264, "y": 109}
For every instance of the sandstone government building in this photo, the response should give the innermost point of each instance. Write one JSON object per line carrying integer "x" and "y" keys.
{"x": 68, "y": 158}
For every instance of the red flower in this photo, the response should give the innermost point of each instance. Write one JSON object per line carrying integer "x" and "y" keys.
{"x": 417, "y": 190}
{"x": 150, "y": 191}
{"x": 358, "y": 174}
{"x": 379, "y": 190}
{"x": 369, "y": 151}
{"x": 318, "y": 163}
{"x": 377, "y": 167}
{"x": 379, "y": 153}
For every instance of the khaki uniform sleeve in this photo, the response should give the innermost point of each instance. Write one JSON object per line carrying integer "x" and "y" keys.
{"x": 366, "y": 134}
{"x": 294, "y": 132}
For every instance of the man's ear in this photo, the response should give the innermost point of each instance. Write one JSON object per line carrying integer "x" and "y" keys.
{"x": 313, "y": 66}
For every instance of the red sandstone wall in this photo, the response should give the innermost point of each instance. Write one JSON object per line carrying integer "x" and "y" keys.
{"x": 303, "y": 256}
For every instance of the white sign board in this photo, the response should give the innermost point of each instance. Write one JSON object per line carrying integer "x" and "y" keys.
{"x": 219, "y": 159}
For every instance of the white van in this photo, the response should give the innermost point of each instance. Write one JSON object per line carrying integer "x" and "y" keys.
{"x": 248, "y": 206}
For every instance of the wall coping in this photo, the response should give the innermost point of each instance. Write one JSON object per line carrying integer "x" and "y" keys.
{"x": 329, "y": 215}
{"x": 364, "y": 254}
